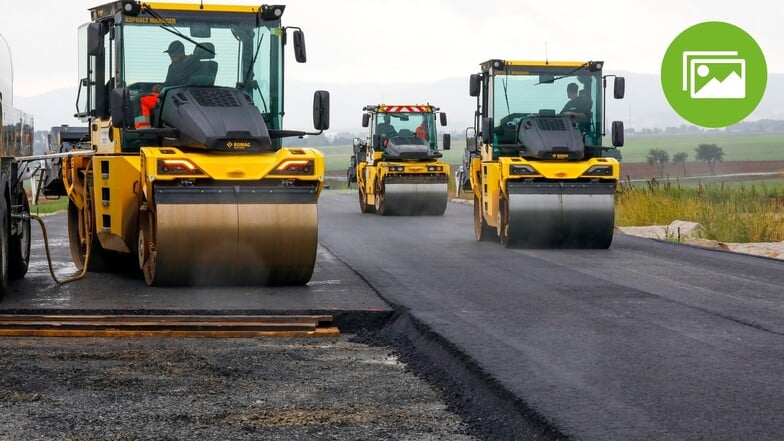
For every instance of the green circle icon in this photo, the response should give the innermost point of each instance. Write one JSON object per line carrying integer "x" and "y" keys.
{"x": 714, "y": 74}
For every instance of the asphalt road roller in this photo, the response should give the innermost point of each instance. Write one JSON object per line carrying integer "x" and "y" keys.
{"x": 539, "y": 173}
{"x": 188, "y": 179}
{"x": 398, "y": 167}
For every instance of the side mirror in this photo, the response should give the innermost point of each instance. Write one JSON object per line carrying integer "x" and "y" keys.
{"x": 365, "y": 119}
{"x": 487, "y": 128}
{"x": 299, "y": 47}
{"x": 617, "y": 133}
{"x": 447, "y": 144}
{"x": 120, "y": 104}
{"x": 443, "y": 118}
{"x": 321, "y": 110}
{"x": 471, "y": 140}
{"x": 475, "y": 85}
{"x": 619, "y": 88}
{"x": 95, "y": 39}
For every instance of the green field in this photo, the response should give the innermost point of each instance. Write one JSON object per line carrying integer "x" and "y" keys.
{"x": 735, "y": 147}
{"x": 337, "y": 157}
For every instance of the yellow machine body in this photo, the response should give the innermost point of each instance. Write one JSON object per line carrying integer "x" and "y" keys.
{"x": 398, "y": 167}
{"x": 540, "y": 177}
{"x": 207, "y": 194}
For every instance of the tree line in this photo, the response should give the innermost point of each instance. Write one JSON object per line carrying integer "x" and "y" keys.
{"x": 709, "y": 153}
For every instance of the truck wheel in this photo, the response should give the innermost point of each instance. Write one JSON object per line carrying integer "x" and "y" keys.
{"x": 482, "y": 231}
{"x": 4, "y": 248}
{"x": 19, "y": 246}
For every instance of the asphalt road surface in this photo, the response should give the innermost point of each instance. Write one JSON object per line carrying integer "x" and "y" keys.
{"x": 334, "y": 289}
{"x": 645, "y": 341}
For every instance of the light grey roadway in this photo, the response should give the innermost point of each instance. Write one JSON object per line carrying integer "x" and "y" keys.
{"x": 334, "y": 289}
{"x": 644, "y": 341}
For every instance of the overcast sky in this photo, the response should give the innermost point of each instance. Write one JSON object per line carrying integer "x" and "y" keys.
{"x": 421, "y": 40}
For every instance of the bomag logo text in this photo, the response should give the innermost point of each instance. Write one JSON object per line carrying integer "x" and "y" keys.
{"x": 238, "y": 145}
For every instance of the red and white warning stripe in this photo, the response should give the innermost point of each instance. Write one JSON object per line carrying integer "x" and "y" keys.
{"x": 400, "y": 109}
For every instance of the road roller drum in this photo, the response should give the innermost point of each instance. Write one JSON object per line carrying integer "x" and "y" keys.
{"x": 558, "y": 215}
{"x": 408, "y": 199}
{"x": 197, "y": 244}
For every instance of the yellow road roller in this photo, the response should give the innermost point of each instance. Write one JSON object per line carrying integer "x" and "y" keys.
{"x": 538, "y": 171}
{"x": 398, "y": 166}
{"x": 188, "y": 179}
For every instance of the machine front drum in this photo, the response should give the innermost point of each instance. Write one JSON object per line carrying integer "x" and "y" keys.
{"x": 415, "y": 199}
{"x": 561, "y": 220}
{"x": 237, "y": 244}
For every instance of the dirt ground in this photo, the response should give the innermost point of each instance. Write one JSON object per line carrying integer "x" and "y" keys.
{"x": 645, "y": 171}
{"x": 184, "y": 389}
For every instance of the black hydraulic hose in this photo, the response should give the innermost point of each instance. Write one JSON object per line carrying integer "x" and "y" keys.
{"x": 49, "y": 256}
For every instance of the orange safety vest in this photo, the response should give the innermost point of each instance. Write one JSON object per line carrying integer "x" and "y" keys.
{"x": 421, "y": 132}
{"x": 147, "y": 103}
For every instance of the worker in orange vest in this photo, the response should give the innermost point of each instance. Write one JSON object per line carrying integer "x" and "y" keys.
{"x": 421, "y": 131}
{"x": 147, "y": 103}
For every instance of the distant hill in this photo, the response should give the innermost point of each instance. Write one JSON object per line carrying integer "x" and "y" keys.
{"x": 644, "y": 106}
{"x": 52, "y": 108}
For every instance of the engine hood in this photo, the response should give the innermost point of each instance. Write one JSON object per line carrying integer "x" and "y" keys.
{"x": 409, "y": 148}
{"x": 214, "y": 118}
{"x": 550, "y": 138}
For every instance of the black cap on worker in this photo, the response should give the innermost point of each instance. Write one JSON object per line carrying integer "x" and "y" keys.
{"x": 176, "y": 47}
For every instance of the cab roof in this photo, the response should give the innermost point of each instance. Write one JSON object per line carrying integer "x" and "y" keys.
{"x": 112, "y": 8}
{"x": 497, "y": 64}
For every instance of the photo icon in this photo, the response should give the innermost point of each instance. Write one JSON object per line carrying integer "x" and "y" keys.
{"x": 714, "y": 75}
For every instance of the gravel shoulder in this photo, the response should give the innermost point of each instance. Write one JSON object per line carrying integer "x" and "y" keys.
{"x": 689, "y": 233}
{"x": 274, "y": 389}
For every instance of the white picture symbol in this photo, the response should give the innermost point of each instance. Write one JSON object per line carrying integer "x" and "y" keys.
{"x": 714, "y": 74}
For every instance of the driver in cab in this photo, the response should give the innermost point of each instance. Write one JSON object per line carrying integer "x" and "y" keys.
{"x": 577, "y": 106}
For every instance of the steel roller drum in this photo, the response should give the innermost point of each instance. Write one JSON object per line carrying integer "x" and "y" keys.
{"x": 236, "y": 243}
{"x": 415, "y": 199}
{"x": 562, "y": 215}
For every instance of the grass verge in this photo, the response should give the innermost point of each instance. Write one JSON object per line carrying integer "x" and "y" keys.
{"x": 738, "y": 213}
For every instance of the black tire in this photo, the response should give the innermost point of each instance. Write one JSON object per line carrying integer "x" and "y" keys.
{"x": 19, "y": 246}
{"x": 100, "y": 260}
{"x": 379, "y": 199}
{"x": 146, "y": 261}
{"x": 503, "y": 222}
{"x": 482, "y": 231}
{"x": 4, "y": 247}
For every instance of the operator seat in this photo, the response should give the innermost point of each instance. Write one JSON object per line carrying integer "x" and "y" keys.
{"x": 208, "y": 68}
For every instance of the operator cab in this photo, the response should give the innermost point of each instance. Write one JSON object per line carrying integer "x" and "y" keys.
{"x": 133, "y": 46}
{"x": 541, "y": 110}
